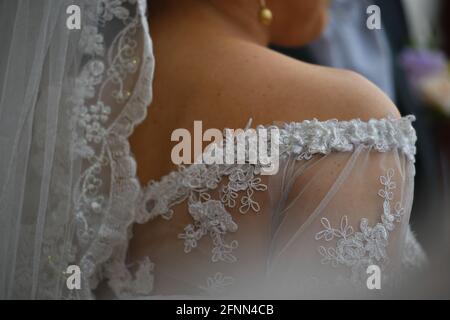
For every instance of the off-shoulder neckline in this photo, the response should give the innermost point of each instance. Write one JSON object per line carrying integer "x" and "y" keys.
{"x": 310, "y": 137}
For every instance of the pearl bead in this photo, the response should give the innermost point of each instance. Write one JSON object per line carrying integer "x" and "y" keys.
{"x": 265, "y": 16}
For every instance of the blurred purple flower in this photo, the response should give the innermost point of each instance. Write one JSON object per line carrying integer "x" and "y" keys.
{"x": 421, "y": 63}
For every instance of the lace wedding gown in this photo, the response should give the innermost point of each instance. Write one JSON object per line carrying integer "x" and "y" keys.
{"x": 339, "y": 203}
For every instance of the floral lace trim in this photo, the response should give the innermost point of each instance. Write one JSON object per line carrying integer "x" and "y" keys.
{"x": 311, "y": 137}
{"x": 302, "y": 140}
{"x": 210, "y": 216}
{"x": 358, "y": 250}
{"x": 107, "y": 189}
{"x": 218, "y": 284}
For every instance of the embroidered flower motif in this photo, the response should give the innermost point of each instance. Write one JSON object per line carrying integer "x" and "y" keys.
{"x": 223, "y": 251}
{"x": 229, "y": 196}
{"x": 349, "y": 250}
{"x": 210, "y": 218}
{"x": 388, "y": 221}
{"x": 108, "y": 9}
{"x": 190, "y": 236}
{"x": 327, "y": 233}
{"x": 302, "y": 140}
{"x": 91, "y": 120}
{"x": 91, "y": 41}
{"x": 399, "y": 212}
{"x": 242, "y": 178}
{"x": 85, "y": 84}
{"x": 217, "y": 284}
{"x": 345, "y": 230}
{"x": 358, "y": 250}
{"x": 376, "y": 241}
{"x": 248, "y": 203}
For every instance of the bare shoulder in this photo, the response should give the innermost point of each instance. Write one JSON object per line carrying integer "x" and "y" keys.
{"x": 273, "y": 87}
{"x": 339, "y": 94}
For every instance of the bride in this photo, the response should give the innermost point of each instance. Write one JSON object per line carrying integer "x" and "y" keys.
{"x": 140, "y": 227}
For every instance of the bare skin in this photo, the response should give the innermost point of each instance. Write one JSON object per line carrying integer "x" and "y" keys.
{"x": 209, "y": 69}
{"x": 213, "y": 65}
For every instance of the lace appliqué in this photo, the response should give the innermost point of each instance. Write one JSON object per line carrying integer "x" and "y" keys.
{"x": 217, "y": 284}
{"x": 358, "y": 250}
{"x": 110, "y": 96}
{"x": 302, "y": 140}
{"x": 210, "y": 216}
{"x": 310, "y": 137}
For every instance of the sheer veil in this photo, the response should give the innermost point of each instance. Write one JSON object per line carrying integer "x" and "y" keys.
{"x": 69, "y": 99}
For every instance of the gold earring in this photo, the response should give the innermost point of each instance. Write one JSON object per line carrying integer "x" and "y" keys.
{"x": 265, "y": 14}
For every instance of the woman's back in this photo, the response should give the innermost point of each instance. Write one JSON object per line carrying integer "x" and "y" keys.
{"x": 211, "y": 72}
{"x": 221, "y": 78}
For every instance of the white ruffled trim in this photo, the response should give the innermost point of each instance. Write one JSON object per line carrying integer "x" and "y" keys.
{"x": 316, "y": 137}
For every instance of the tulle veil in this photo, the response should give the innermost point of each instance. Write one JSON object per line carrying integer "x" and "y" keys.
{"x": 69, "y": 99}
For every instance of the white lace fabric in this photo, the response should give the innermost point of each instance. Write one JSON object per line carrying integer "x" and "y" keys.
{"x": 342, "y": 198}
{"x": 108, "y": 188}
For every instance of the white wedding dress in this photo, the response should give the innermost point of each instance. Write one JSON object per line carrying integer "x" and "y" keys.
{"x": 339, "y": 203}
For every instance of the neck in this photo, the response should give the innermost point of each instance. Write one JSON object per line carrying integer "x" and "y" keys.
{"x": 237, "y": 18}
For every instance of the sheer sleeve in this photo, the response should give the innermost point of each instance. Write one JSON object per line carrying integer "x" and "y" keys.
{"x": 339, "y": 203}
{"x": 339, "y": 213}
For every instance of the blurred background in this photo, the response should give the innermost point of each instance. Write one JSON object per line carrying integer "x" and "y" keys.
{"x": 408, "y": 58}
